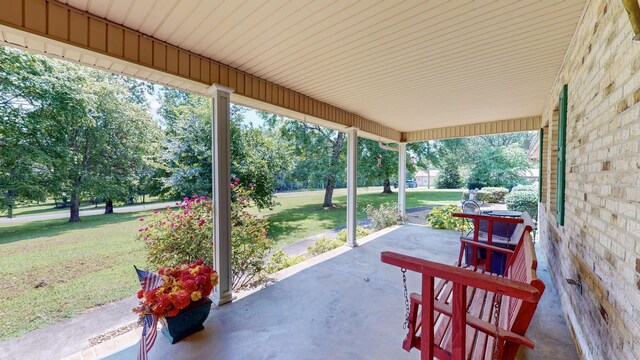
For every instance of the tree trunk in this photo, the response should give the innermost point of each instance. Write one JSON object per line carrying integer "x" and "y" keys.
{"x": 11, "y": 204}
{"x": 143, "y": 198}
{"x": 328, "y": 192}
{"x": 108, "y": 206}
{"x": 331, "y": 181}
{"x": 75, "y": 205}
{"x": 387, "y": 187}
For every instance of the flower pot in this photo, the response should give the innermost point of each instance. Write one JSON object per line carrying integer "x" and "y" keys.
{"x": 188, "y": 321}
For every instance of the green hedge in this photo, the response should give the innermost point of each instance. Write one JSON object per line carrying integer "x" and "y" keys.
{"x": 523, "y": 201}
{"x": 492, "y": 194}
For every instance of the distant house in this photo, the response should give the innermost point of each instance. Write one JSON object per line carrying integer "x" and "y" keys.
{"x": 427, "y": 178}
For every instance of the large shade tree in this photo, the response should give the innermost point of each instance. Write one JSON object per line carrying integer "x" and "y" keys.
{"x": 379, "y": 165}
{"x": 73, "y": 131}
{"x": 319, "y": 151}
{"x": 25, "y": 164}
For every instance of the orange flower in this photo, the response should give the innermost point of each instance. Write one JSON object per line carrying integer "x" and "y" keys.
{"x": 196, "y": 295}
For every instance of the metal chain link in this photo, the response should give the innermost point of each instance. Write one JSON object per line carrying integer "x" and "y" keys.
{"x": 497, "y": 300}
{"x": 406, "y": 298}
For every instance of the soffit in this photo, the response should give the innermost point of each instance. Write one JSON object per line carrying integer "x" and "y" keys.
{"x": 405, "y": 64}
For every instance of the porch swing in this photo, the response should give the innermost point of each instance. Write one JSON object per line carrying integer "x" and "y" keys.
{"x": 474, "y": 314}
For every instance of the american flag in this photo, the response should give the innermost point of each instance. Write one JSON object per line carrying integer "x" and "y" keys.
{"x": 148, "y": 281}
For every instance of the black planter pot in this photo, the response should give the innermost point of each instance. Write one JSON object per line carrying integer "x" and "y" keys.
{"x": 188, "y": 321}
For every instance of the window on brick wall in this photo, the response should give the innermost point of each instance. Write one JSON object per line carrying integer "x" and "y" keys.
{"x": 555, "y": 143}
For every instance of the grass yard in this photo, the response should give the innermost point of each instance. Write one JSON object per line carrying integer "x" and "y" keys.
{"x": 53, "y": 269}
{"x": 300, "y": 215}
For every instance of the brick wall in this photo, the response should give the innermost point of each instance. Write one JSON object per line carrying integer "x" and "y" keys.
{"x": 600, "y": 242}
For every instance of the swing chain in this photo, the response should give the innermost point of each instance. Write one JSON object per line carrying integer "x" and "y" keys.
{"x": 406, "y": 298}
{"x": 497, "y": 300}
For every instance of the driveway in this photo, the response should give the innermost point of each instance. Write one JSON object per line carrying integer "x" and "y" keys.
{"x": 99, "y": 211}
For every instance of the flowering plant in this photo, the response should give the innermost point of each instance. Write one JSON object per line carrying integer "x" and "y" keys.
{"x": 173, "y": 237}
{"x": 181, "y": 285}
{"x": 182, "y": 235}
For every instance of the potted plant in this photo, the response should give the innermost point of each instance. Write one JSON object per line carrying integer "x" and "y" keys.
{"x": 177, "y": 297}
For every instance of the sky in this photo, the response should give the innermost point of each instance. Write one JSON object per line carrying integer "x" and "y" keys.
{"x": 251, "y": 116}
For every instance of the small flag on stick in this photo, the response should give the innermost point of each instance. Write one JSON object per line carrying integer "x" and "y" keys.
{"x": 148, "y": 281}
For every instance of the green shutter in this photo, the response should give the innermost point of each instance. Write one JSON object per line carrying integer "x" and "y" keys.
{"x": 540, "y": 170}
{"x": 562, "y": 140}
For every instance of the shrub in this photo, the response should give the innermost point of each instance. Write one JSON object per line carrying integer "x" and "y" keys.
{"x": 384, "y": 216}
{"x": 360, "y": 233}
{"x": 440, "y": 218}
{"x": 523, "y": 201}
{"x": 280, "y": 260}
{"x": 492, "y": 194}
{"x": 324, "y": 244}
{"x": 249, "y": 242}
{"x": 532, "y": 187}
{"x": 175, "y": 237}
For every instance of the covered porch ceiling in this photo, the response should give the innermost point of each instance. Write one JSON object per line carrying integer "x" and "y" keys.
{"x": 397, "y": 70}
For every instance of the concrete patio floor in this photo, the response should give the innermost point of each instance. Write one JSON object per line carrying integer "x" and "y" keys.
{"x": 348, "y": 306}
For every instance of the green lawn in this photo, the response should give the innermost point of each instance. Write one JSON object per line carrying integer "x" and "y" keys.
{"x": 300, "y": 215}
{"x": 50, "y": 208}
{"x": 54, "y": 269}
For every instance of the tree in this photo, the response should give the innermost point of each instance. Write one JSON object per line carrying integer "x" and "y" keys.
{"x": 319, "y": 151}
{"x": 130, "y": 133}
{"x": 187, "y": 157}
{"x": 258, "y": 155}
{"x": 450, "y": 177}
{"x": 33, "y": 105}
{"x": 493, "y": 160}
{"x": 258, "y": 158}
{"x": 80, "y": 131}
{"x": 370, "y": 173}
{"x": 498, "y": 167}
{"x": 376, "y": 165}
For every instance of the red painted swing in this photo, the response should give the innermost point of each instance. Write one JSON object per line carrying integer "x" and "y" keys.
{"x": 466, "y": 306}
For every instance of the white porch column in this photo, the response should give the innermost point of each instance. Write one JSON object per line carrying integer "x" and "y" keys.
{"x": 220, "y": 127}
{"x": 402, "y": 178}
{"x": 352, "y": 185}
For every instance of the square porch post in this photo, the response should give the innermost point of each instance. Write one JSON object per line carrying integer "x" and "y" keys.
{"x": 352, "y": 185}
{"x": 402, "y": 178}
{"x": 220, "y": 127}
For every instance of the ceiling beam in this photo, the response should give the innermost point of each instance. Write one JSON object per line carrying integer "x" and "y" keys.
{"x": 479, "y": 129}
